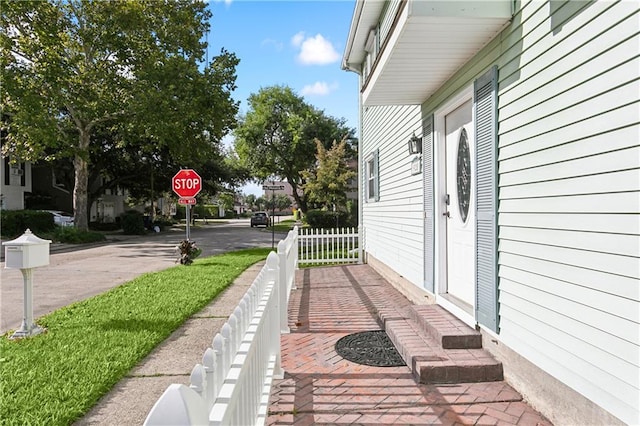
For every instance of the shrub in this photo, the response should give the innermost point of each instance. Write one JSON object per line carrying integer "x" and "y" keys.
{"x": 71, "y": 235}
{"x": 327, "y": 219}
{"x": 15, "y": 222}
{"x": 133, "y": 223}
{"x": 97, "y": 226}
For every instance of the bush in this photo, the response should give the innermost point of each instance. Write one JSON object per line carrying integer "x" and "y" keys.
{"x": 15, "y": 222}
{"x": 71, "y": 235}
{"x": 133, "y": 223}
{"x": 105, "y": 227}
{"x": 327, "y": 219}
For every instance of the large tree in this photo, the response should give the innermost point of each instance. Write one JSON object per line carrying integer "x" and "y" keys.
{"x": 134, "y": 67}
{"x": 276, "y": 137}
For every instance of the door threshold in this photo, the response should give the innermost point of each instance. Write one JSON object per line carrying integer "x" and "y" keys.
{"x": 461, "y": 309}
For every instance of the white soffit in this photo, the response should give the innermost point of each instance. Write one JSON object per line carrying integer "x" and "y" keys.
{"x": 425, "y": 49}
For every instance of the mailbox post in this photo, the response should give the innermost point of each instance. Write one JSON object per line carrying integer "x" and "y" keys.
{"x": 25, "y": 253}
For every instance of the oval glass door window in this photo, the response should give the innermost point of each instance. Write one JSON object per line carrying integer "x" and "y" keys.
{"x": 464, "y": 175}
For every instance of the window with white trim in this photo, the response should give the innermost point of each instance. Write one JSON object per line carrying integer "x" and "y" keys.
{"x": 372, "y": 177}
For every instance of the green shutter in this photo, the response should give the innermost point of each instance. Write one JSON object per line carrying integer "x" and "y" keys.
{"x": 485, "y": 104}
{"x": 429, "y": 241}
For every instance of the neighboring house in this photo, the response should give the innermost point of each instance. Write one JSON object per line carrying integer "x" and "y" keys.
{"x": 520, "y": 215}
{"x": 16, "y": 181}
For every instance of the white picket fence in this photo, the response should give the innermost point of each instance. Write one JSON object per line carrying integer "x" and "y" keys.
{"x": 233, "y": 383}
{"x": 327, "y": 246}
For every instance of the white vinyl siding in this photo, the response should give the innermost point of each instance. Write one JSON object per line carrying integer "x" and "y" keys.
{"x": 569, "y": 198}
{"x": 568, "y": 192}
{"x": 394, "y": 225}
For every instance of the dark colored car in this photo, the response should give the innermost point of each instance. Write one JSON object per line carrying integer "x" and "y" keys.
{"x": 259, "y": 218}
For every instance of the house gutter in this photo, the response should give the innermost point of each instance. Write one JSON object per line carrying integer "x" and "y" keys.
{"x": 346, "y": 66}
{"x": 357, "y": 13}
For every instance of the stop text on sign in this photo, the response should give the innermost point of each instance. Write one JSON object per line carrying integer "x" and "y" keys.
{"x": 186, "y": 183}
{"x": 181, "y": 184}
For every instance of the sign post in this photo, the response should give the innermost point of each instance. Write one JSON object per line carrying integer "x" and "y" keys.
{"x": 272, "y": 188}
{"x": 187, "y": 184}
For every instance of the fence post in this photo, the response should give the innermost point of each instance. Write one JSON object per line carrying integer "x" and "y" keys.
{"x": 272, "y": 267}
{"x": 282, "y": 283}
{"x": 209, "y": 364}
{"x": 296, "y": 238}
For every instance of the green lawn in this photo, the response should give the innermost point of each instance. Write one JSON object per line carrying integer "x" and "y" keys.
{"x": 56, "y": 377}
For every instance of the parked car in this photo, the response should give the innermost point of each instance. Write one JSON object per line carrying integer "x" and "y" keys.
{"x": 61, "y": 218}
{"x": 259, "y": 218}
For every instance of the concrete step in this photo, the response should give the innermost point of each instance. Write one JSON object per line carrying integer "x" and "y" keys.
{"x": 431, "y": 363}
{"x": 449, "y": 331}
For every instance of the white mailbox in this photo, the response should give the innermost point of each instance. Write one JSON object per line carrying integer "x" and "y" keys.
{"x": 27, "y": 251}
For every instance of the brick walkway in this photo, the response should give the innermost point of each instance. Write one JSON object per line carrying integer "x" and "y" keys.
{"x": 320, "y": 387}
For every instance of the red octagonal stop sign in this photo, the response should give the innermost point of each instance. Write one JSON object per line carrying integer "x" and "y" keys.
{"x": 186, "y": 183}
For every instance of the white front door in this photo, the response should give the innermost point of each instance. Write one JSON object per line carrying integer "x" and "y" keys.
{"x": 459, "y": 212}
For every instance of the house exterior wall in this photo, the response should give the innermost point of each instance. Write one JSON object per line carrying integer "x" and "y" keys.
{"x": 16, "y": 180}
{"x": 393, "y": 224}
{"x": 569, "y": 203}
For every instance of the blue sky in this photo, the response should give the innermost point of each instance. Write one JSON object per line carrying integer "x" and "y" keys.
{"x": 296, "y": 43}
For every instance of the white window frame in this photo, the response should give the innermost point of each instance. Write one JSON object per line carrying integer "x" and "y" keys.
{"x": 371, "y": 177}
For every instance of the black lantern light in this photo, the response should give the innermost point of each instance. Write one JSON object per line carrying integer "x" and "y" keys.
{"x": 415, "y": 145}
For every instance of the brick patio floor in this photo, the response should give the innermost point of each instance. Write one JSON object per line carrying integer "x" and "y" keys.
{"x": 320, "y": 387}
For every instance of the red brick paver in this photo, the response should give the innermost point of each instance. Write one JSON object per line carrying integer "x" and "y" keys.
{"x": 320, "y": 387}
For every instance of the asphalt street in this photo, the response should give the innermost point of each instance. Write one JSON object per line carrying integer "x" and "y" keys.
{"x": 77, "y": 272}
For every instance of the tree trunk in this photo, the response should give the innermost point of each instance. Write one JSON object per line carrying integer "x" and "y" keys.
{"x": 81, "y": 186}
{"x": 300, "y": 201}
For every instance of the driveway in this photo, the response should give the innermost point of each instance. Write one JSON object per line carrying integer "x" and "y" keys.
{"x": 78, "y": 272}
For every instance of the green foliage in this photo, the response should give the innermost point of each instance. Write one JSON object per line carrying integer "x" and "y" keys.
{"x": 71, "y": 235}
{"x": 111, "y": 86}
{"x": 56, "y": 377}
{"x": 208, "y": 211}
{"x": 105, "y": 227}
{"x": 279, "y": 202}
{"x": 327, "y": 219}
{"x": 277, "y": 136}
{"x": 133, "y": 223}
{"x": 328, "y": 183}
{"x": 15, "y": 222}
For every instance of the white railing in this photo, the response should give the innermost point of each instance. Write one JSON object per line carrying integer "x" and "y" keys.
{"x": 233, "y": 383}
{"x": 327, "y": 246}
{"x": 288, "y": 257}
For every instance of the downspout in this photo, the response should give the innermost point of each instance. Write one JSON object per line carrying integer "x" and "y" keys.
{"x": 346, "y": 66}
{"x": 349, "y": 67}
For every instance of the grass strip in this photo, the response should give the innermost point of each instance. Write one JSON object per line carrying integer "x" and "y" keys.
{"x": 56, "y": 377}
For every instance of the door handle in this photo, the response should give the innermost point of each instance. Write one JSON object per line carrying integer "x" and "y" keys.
{"x": 447, "y": 214}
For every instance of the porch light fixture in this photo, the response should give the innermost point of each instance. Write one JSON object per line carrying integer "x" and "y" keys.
{"x": 415, "y": 145}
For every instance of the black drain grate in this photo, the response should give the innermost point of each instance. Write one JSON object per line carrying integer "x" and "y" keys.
{"x": 372, "y": 348}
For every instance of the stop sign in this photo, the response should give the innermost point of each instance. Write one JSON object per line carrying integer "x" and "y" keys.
{"x": 186, "y": 183}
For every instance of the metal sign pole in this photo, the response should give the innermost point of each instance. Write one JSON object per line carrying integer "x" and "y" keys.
{"x": 188, "y": 211}
{"x": 273, "y": 212}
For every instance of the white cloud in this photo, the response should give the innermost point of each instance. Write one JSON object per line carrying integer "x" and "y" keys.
{"x": 297, "y": 39}
{"x": 319, "y": 88}
{"x": 314, "y": 50}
